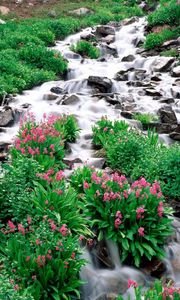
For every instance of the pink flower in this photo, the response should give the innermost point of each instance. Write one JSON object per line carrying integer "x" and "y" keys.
{"x": 160, "y": 209}
{"x": 34, "y": 277}
{"x": 38, "y": 242}
{"x": 59, "y": 175}
{"x": 105, "y": 129}
{"x": 73, "y": 255}
{"x": 118, "y": 214}
{"x": 11, "y": 225}
{"x": 48, "y": 256}
{"x": 81, "y": 238}
{"x": 28, "y": 258}
{"x": 141, "y": 231}
{"x": 85, "y": 185}
{"x": 95, "y": 178}
{"x": 29, "y": 220}
{"x": 132, "y": 283}
{"x": 117, "y": 222}
{"x": 16, "y": 287}
{"x": 21, "y": 229}
{"x": 63, "y": 229}
{"x": 106, "y": 197}
{"x": 125, "y": 193}
{"x": 139, "y": 212}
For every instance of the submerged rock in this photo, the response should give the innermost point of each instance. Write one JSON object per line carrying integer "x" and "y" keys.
{"x": 57, "y": 90}
{"x": 73, "y": 99}
{"x": 128, "y": 58}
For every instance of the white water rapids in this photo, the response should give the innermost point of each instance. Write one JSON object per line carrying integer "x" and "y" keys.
{"x": 89, "y": 109}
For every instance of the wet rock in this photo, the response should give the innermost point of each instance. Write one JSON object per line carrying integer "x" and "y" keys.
{"x": 156, "y": 268}
{"x": 50, "y": 97}
{"x": 166, "y": 100}
{"x": 4, "y": 10}
{"x": 108, "y": 39}
{"x": 129, "y": 21}
{"x": 111, "y": 100}
{"x": 171, "y": 43}
{"x": 104, "y": 84}
{"x": 176, "y": 71}
{"x": 139, "y": 74}
{"x": 6, "y": 117}
{"x": 177, "y": 82}
{"x": 175, "y": 134}
{"x": 122, "y": 75}
{"x": 87, "y": 36}
{"x": 160, "y": 127}
{"x": 109, "y": 50}
{"x": 70, "y": 163}
{"x": 81, "y": 11}
{"x": 57, "y": 90}
{"x": 114, "y": 24}
{"x": 73, "y": 99}
{"x": 156, "y": 78}
{"x": 25, "y": 105}
{"x": 98, "y": 163}
{"x": 163, "y": 64}
{"x": 128, "y": 58}
{"x": 153, "y": 92}
{"x": 167, "y": 115}
{"x": 105, "y": 30}
{"x": 127, "y": 114}
{"x": 105, "y": 296}
{"x": 4, "y": 149}
{"x": 2, "y": 22}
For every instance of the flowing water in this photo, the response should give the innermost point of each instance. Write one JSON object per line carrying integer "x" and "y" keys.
{"x": 88, "y": 109}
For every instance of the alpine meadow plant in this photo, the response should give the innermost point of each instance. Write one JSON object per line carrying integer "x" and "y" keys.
{"x": 44, "y": 141}
{"x": 104, "y": 128}
{"x": 85, "y": 48}
{"x": 43, "y": 257}
{"x": 133, "y": 216}
{"x": 157, "y": 292}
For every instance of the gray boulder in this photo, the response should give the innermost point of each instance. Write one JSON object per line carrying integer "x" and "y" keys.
{"x": 163, "y": 64}
{"x": 176, "y": 71}
{"x": 104, "y": 84}
{"x": 81, "y": 11}
{"x": 167, "y": 115}
{"x": 105, "y": 30}
{"x": 6, "y": 117}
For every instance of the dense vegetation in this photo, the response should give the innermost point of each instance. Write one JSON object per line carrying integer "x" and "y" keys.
{"x": 167, "y": 17}
{"x": 25, "y": 60}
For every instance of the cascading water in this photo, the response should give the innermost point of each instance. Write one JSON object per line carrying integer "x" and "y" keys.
{"x": 88, "y": 108}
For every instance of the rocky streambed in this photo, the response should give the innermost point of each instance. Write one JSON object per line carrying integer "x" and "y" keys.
{"x": 125, "y": 80}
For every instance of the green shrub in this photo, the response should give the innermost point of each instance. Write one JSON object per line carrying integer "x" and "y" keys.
{"x": 154, "y": 40}
{"x": 145, "y": 118}
{"x": 170, "y": 53}
{"x": 85, "y": 48}
{"x": 169, "y": 14}
{"x": 45, "y": 257}
{"x": 104, "y": 128}
{"x": 79, "y": 176}
{"x": 40, "y": 57}
{"x": 133, "y": 215}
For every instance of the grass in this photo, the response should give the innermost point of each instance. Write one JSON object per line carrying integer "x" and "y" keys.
{"x": 86, "y": 49}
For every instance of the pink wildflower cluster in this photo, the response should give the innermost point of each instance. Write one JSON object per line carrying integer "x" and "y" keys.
{"x": 37, "y": 139}
{"x": 63, "y": 229}
{"x": 141, "y": 231}
{"x": 139, "y": 212}
{"x": 132, "y": 283}
{"x": 156, "y": 190}
{"x": 160, "y": 209}
{"x": 170, "y": 291}
{"x": 48, "y": 176}
{"x": 118, "y": 219}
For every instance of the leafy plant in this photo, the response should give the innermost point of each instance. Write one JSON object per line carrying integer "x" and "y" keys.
{"x": 145, "y": 118}
{"x": 133, "y": 215}
{"x": 85, "y": 48}
{"x": 157, "y": 292}
{"x": 154, "y": 40}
